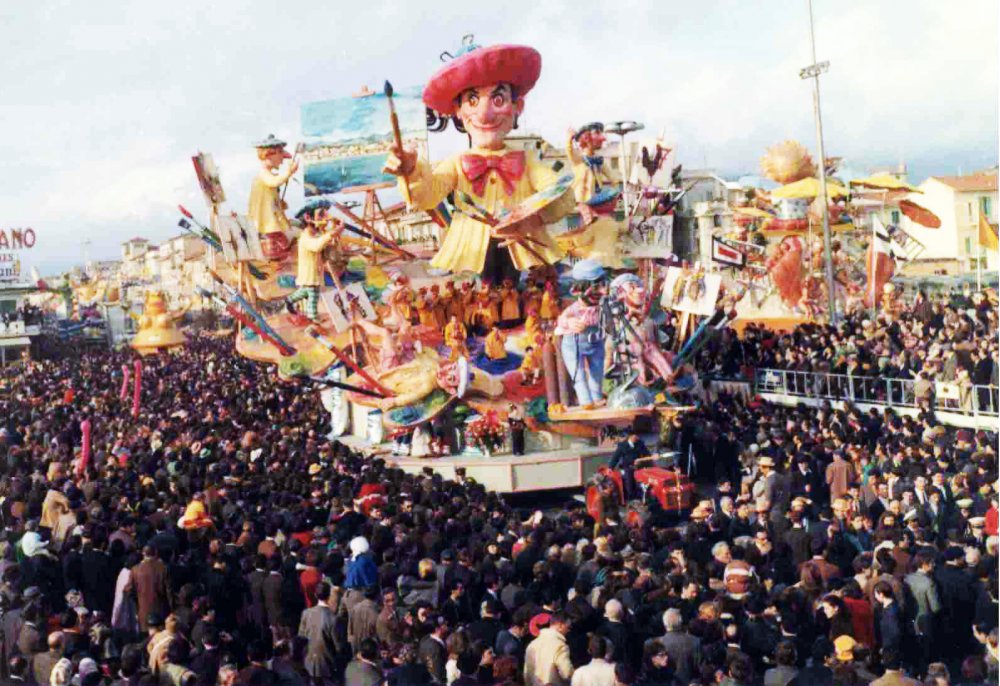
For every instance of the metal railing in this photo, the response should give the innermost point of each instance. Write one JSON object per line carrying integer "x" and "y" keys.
{"x": 947, "y": 397}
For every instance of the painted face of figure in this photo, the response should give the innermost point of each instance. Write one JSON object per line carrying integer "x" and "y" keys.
{"x": 448, "y": 376}
{"x": 488, "y": 114}
{"x": 275, "y": 156}
{"x": 634, "y": 293}
{"x": 592, "y": 141}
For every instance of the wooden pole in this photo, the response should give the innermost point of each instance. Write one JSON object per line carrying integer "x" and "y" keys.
{"x": 239, "y": 287}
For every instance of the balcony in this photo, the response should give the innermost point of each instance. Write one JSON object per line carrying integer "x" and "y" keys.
{"x": 17, "y": 328}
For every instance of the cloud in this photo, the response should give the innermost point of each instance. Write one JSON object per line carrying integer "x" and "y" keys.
{"x": 107, "y": 101}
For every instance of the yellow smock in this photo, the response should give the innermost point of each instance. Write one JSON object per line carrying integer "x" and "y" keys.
{"x": 585, "y": 179}
{"x": 310, "y": 267}
{"x": 265, "y": 209}
{"x": 494, "y": 345}
{"x": 465, "y": 243}
{"x": 510, "y": 305}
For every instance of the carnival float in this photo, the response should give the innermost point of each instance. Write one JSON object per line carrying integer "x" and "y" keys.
{"x": 776, "y": 249}
{"x": 513, "y": 309}
{"x": 505, "y": 318}
{"x": 157, "y": 326}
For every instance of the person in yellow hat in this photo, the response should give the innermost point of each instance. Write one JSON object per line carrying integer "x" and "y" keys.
{"x": 196, "y": 519}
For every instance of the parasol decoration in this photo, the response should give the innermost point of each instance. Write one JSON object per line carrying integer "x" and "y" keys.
{"x": 808, "y": 188}
{"x": 753, "y": 212}
{"x": 886, "y": 182}
{"x": 920, "y": 215}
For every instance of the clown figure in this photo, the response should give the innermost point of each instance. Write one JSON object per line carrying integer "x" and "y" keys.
{"x": 455, "y": 335}
{"x": 484, "y": 89}
{"x": 495, "y": 344}
{"x": 510, "y": 303}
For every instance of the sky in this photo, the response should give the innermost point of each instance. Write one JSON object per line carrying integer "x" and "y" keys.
{"x": 106, "y": 101}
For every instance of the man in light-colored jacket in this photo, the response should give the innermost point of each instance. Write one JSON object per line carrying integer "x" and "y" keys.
{"x": 546, "y": 662}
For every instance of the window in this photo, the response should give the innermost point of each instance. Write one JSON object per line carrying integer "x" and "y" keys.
{"x": 968, "y": 210}
{"x": 895, "y": 216}
{"x": 968, "y": 246}
{"x": 986, "y": 204}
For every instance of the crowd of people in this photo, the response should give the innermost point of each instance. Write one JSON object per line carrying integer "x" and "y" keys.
{"x": 951, "y": 339}
{"x": 216, "y": 536}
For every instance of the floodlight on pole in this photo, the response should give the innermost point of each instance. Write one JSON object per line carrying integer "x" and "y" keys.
{"x": 813, "y": 72}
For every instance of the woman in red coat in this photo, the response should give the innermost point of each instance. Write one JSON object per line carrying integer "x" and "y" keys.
{"x": 862, "y": 616}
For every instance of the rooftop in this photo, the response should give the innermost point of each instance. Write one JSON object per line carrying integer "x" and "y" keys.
{"x": 981, "y": 181}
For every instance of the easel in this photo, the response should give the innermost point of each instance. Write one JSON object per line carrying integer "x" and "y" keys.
{"x": 372, "y": 212}
{"x": 242, "y": 285}
{"x": 686, "y": 327}
{"x": 352, "y": 314}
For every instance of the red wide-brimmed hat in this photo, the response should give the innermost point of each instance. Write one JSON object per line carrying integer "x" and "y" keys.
{"x": 517, "y": 65}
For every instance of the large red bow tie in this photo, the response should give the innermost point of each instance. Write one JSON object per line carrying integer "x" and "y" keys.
{"x": 509, "y": 167}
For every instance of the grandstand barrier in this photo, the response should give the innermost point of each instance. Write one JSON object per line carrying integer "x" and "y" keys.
{"x": 969, "y": 406}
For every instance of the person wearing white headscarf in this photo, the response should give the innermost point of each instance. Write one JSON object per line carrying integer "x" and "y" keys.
{"x": 31, "y": 544}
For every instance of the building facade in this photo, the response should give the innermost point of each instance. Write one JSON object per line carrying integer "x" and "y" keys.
{"x": 954, "y": 247}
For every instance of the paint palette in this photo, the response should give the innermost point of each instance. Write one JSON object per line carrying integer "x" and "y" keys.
{"x": 534, "y": 204}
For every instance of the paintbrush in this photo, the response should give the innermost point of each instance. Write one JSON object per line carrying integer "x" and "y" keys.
{"x": 299, "y": 149}
{"x": 397, "y": 138}
{"x": 478, "y": 212}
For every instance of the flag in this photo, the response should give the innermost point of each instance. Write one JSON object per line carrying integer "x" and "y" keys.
{"x": 880, "y": 263}
{"x": 988, "y": 238}
{"x": 727, "y": 254}
{"x": 184, "y": 224}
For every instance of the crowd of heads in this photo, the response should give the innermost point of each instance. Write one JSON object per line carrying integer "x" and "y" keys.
{"x": 218, "y": 536}
{"x": 948, "y": 338}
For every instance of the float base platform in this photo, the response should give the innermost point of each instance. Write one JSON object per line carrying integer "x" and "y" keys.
{"x": 534, "y": 471}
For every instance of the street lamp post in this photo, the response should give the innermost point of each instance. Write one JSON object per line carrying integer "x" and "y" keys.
{"x": 812, "y": 72}
{"x": 621, "y": 128}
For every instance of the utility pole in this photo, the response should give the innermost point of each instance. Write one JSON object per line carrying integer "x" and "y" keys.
{"x": 813, "y": 72}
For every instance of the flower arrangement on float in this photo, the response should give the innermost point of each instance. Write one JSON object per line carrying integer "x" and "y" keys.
{"x": 485, "y": 433}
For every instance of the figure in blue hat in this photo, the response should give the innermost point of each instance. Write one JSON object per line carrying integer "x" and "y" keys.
{"x": 582, "y": 334}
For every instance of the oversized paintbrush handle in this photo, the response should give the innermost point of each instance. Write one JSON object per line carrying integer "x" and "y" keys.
{"x": 397, "y": 139}
{"x": 339, "y": 354}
